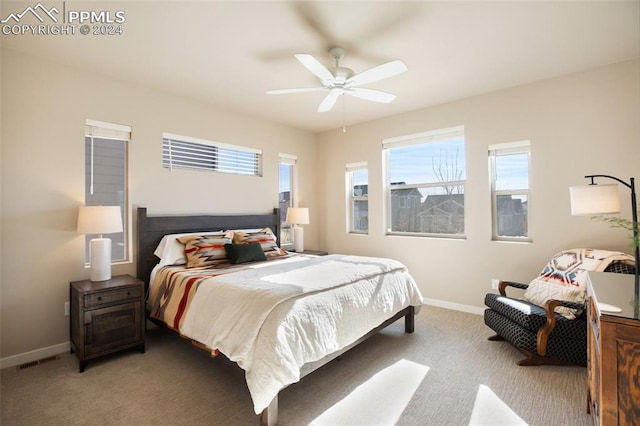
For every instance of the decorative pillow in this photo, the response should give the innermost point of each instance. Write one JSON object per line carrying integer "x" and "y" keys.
{"x": 242, "y": 253}
{"x": 205, "y": 250}
{"x": 539, "y": 291}
{"x": 565, "y": 277}
{"x": 267, "y": 239}
{"x": 171, "y": 251}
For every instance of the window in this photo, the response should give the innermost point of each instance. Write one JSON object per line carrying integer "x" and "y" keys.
{"x": 286, "y": 194}
{"x": 357, "y": 177}
{"x": 509, "y": 166}
{"x": 191, "y": 153}
{"x": 425, "y": 181}
{"x": 106, "y": 156}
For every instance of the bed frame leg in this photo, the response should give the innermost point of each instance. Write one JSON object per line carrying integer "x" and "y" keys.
{"x": 409, "y": 324}
{"x": 269, "y": 416}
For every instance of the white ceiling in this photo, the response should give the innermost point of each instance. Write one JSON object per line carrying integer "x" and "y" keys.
{"x": 228, "y": 53}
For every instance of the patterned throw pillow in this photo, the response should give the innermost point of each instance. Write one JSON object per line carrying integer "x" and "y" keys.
{"x": 267, "y": 239}
{"x": 205, "y": 250}
{"x": 540, "y": 291}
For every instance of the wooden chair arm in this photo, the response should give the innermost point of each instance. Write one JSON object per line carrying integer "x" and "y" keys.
{"x": 502, "y": 286}
{"x": 545, "y": 331}
{"x": 547, "y": 328}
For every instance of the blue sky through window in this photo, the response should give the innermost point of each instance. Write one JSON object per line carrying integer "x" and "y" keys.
{"x": 428, "y": 163}
{"x": 512, "y": 171}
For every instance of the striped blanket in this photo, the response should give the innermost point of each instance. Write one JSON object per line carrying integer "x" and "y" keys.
{"x": 274, "y": 317}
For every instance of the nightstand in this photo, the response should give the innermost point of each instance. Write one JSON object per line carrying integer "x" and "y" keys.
{"x": 106, "y": 317}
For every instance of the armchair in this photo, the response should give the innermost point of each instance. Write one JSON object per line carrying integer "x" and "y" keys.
{"x": 548, "y": 325}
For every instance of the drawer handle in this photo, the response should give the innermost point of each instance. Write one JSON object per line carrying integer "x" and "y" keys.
{"x": 99, "y": 298}
{"x": 128, "y": 293}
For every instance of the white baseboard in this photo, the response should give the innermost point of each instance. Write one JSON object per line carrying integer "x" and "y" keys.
{"x": 12, "y": 361}
{"x": 35, "y": 355}
{"x": 455, "y": 306}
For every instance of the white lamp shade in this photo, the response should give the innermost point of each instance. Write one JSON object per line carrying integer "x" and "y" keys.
{"x": 594, "y": 199}
{"x": 297, "y": 215}
{"x": 99, "y": 220}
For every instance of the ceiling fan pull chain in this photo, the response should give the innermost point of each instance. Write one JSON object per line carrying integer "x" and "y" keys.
{"x": 344, "y": 121}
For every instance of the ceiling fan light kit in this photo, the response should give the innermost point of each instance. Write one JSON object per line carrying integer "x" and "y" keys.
{"x": 339, "y": 80}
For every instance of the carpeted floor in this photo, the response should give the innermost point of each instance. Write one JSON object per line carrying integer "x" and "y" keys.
{"x": 446, "y": 373}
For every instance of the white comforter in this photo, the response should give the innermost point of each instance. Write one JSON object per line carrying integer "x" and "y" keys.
{"x": 272, "y": 320}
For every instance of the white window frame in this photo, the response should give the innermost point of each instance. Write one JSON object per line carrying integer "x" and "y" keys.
{"x": 519, "y": 147}
{"x": 116, "y": 132}
{"x": 187, "y": 152}
{"x": 352, "y": 199}
{"x": 286, "y": 239}
{"x": 422, "y": 138}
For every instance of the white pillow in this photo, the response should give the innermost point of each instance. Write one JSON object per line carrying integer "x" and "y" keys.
{"x": 539, "y": 291}
{"x": 171, "y": 252}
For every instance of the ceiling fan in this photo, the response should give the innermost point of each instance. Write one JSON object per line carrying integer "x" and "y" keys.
{"x": 341, "y": 80}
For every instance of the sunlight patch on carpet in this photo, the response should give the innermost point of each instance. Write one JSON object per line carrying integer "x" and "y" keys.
{"x": 491, "y": 410}
{"x": 380, "y": 400}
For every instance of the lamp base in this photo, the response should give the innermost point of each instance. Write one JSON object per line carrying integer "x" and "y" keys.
{"x": 100, "y": 251}
{"x": 298, "y": 239}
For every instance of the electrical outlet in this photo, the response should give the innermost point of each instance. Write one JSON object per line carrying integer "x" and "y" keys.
{"x": 494, "y": 284}
{"x": 66, "y": 309}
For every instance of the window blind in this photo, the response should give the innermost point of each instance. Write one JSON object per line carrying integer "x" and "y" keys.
{"x": 287, "y": 159}
{"x": 509, "y": 148}
{"x": 192, "y": 153}
{"x": 104, "y": 130}
{"x": 356, "y": 166}
{"x": 439, "y": 135}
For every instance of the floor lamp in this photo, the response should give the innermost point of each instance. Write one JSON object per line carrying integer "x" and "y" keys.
{"x": 297, "y": 216}
{"x": 604, "y": 199}
{"x": 100, "y": 220}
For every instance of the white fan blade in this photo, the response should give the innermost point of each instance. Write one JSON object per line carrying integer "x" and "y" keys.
{"x": 299, "y": 90}
{"x": 329, "y": 101}
{"x": 313, "y": 65}
{"x": 378, "y": 73}
{"x": 371, "y": 95}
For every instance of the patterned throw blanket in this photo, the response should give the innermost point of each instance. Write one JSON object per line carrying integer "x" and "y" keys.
{"x": 565, "y": 277}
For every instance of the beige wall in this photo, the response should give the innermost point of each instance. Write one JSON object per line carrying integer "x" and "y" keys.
{"x": 580, "y": 124}
{"x": 587, "y": 123}
{"x": 44, "y": 108}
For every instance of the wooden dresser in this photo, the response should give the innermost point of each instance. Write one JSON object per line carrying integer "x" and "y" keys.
{"x": 613, "y": 396}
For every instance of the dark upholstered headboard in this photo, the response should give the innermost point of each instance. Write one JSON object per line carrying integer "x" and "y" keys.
{"x": 151, "y": 229}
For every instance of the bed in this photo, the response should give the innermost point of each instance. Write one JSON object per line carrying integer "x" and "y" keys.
{"x": 279, "y": 316}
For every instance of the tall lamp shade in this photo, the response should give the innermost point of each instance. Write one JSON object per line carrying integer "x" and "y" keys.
{"x": 298, "y": 216}
{"x": 100, "y": 220}
{"x": 594, "y": 199}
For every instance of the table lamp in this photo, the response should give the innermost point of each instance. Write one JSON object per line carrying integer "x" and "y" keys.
{"x": 297, "y": 216}
{"x": 605, "y": 199}
{"x": 100, "y": 220}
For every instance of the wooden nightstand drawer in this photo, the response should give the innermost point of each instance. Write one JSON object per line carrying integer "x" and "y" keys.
{"x": 112, "y": 327}
{"x": 113, "y": 296}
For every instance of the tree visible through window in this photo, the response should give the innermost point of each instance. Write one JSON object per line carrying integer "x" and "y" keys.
{"x": 425, "y": 183}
